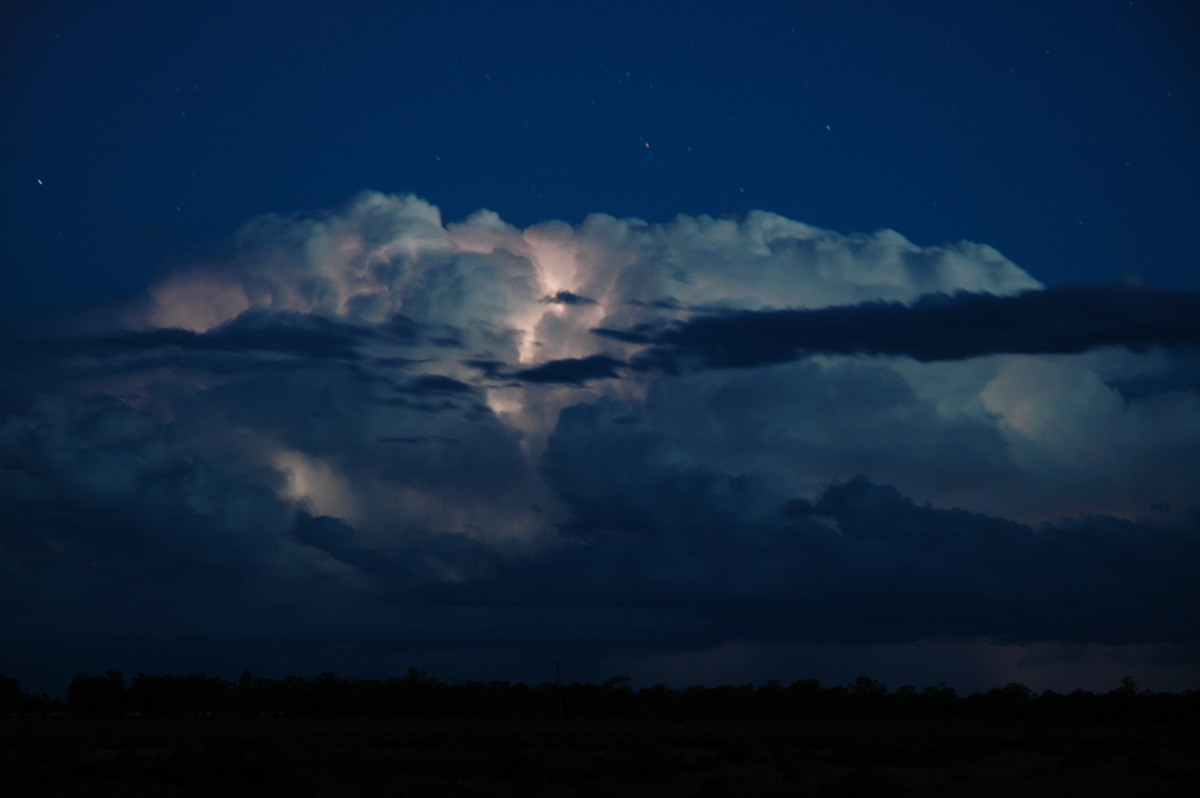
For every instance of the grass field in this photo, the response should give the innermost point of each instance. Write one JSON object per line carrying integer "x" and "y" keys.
{"x": 235, "y": 756}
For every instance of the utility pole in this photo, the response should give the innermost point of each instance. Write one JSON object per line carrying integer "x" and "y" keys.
{"x": 558, "y": 685}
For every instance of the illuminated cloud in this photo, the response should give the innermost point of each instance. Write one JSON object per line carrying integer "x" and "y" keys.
{"x": 737, "y": 430}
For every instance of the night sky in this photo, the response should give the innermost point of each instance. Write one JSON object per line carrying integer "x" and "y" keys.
{"x": 693, "y": 342}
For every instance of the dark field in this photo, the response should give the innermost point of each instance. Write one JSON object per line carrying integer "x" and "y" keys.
{"x": 273, "y": 756}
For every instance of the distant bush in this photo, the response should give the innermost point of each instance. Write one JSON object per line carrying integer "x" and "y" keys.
{"x": 15, "y": 701}
{"x": 97, "y": 696}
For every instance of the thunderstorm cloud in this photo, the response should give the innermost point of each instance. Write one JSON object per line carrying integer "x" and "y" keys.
{"x": 639, "y": 438}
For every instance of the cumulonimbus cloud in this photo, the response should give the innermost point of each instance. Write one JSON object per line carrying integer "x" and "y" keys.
{"x": 369, "y": 408}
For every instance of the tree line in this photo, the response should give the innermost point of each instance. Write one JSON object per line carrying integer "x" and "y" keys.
{"x": 417, "y": 695}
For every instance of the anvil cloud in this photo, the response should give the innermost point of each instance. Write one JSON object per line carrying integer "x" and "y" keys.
{"x": 635, "y": 439}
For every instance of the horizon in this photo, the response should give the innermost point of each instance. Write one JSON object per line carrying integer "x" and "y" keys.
{"x": 1125, "y": 684}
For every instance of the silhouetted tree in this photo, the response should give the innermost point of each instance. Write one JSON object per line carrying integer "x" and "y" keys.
{"x": 941, "y": 700}
{"x": 660, "y": 700}
{"x": 95, "y": 695}
{"x": 12, "y": 697}
{"x": 1013, "y": 700}
{"x": 768, "y": 700}
{"x": 805, "y": 698}
{"x": 622, "y": 701}
{"x": 179, "y": 695}
{"x": 867, "y": 696}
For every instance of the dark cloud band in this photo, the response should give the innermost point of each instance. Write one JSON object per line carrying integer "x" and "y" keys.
{"x": 937, "y": 327}
{"x": 572, "y": 370}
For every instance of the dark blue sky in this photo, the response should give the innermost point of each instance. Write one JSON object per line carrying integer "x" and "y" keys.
{"x": 899, "y": 375}
{"x": 1063, "y": 134}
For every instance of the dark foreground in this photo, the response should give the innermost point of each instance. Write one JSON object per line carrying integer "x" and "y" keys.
{"x": 274, "y": 756}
